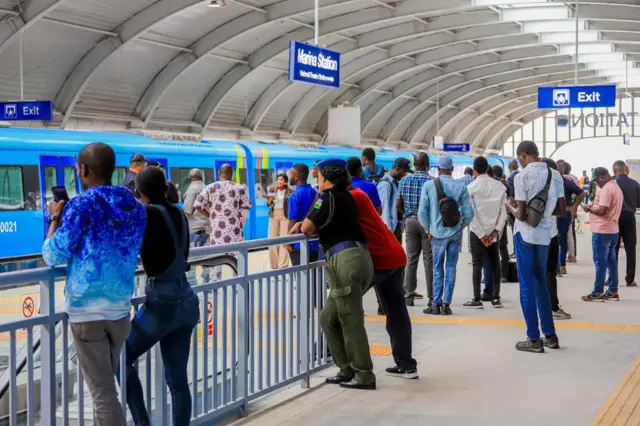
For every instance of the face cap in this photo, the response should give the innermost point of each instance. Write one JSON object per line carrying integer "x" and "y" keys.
{"x": 445, "y": 163}
{"x": 403, "y": 164}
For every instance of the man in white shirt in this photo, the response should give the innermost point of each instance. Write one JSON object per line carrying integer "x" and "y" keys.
{"x": 532, "y": 244}
{"x": 488, "y": 196}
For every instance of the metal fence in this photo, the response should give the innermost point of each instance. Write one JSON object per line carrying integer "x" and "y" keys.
{"x": 258, "y": 332}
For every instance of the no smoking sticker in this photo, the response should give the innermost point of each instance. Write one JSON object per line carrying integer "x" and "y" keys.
{"x": 28, "y": 307}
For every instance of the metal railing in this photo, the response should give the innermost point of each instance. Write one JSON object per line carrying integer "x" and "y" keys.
{"x": 258, "y": 332}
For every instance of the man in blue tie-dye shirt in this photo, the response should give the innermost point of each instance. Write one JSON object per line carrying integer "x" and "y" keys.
{"x": 98, "y": 234}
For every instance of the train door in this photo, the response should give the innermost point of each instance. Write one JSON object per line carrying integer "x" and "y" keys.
{"x": 57, "y": 171}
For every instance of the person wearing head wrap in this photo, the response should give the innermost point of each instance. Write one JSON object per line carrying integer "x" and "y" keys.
{"x": 334, "y": 218}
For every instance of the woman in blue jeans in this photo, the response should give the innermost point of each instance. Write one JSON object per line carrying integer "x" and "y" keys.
{"x": 170, "y": 310}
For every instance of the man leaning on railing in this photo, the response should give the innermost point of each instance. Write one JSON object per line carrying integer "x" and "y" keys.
{"x": 99, "y": 236}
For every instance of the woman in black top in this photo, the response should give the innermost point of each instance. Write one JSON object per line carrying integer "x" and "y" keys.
{"x": 170, "y": 311}
{"x": 334, "y": 218}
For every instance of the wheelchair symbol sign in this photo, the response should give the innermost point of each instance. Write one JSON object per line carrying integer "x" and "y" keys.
{"x": 561, "y": 97}
{"x": 10, "y": 111}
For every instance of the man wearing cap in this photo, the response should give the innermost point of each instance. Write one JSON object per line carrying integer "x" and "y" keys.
{"x": 388, "y": 193}
{"x": 604, "y": 215}
{"x": 532, "y": 244}
{"x": 334, "y": 217}
{"x": 136, "y": 163}
{"x": 445, "y": 240}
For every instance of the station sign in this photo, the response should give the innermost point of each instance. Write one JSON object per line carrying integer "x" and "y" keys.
{"x": 457, "y": 147}
{"x": 314, "y": 65}
{"x": 577, "y": 96}
{"x": 26, "y": 110}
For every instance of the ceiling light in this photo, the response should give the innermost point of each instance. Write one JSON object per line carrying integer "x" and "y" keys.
{"x": 217, "y": 3}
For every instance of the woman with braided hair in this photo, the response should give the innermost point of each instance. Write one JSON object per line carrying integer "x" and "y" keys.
{"x": 334, "y": 218}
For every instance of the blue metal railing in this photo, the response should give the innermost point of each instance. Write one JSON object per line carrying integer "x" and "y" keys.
{"x": 257, "y": 333}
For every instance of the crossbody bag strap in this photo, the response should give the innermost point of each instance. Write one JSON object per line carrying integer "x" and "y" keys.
{"x": 439, "y": 190}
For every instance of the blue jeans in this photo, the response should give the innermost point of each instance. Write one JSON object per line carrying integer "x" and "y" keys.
{"x": 168, "y": 316}
{"x": 445, "y": 250}
{"x": 534, "y": 296}
{"x": 564, "y": 227}
{"x": 604, "y": 257}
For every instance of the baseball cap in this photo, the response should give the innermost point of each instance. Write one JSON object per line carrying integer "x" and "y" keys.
{"x": 137, "y": 158}
{"x": 599, "y": 171}
{"x": 403, "y": 163}
{"x": 445, "y": 163}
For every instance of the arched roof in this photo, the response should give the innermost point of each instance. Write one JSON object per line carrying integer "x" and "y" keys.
{"x": 183, "y": 66}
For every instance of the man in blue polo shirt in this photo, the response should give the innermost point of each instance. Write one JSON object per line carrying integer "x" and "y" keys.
{"x": 354, "y": 167}
{"x": 300, "y": 203}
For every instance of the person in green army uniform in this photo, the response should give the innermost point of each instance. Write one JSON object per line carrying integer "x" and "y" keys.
{"x": 334, "y": 218}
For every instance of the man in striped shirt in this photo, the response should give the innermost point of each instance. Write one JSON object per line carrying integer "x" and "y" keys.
{"x": 417, "y": 241}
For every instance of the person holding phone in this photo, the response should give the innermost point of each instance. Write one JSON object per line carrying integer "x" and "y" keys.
{"x": 98, "y": 234}
{"x": 278, "y": 203}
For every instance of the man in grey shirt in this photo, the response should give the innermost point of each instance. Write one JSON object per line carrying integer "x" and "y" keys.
{"x": 198, "y": 223}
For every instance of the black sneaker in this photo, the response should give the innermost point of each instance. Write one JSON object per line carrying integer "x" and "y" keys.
{"x": 551, "y": 342}
{"x": 445, "y": 309}
{"x": 430, "y": 302}
{"x": 409, "y": 301}
{"x": 432, "y": 310}
{"x": 473, "y": 304}
{"x": 612, "y": 295}
{"x": 399, "y": 372}
{"x": 632, "y": 284}
{"x": 528, "y": 345}
{"x": 496, "y": 303}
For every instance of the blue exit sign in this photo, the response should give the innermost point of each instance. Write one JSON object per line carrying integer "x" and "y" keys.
{"x": 577, "y": 96}
{"x": 26, "y": 110}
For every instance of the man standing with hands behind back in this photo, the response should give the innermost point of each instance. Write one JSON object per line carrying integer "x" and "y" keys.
{"x": 488, "y": 196}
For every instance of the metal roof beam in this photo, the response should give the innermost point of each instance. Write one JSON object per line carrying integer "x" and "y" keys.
{"x": 29, "y": 12}
{"x": 79, "y": 77}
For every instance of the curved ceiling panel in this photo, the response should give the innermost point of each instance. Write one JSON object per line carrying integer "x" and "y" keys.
{"x": 465, "y": 69}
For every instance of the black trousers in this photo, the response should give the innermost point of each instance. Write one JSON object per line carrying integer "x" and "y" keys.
{"x": 627, "y": 226}
{"x": 479, "y": 256}
{"x": 504, "y": 253}
{"x": 388, "y": 285}
{"x": 552, "y": 269}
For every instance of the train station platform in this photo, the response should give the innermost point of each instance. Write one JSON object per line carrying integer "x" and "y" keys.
{"x": 471, "y": 374}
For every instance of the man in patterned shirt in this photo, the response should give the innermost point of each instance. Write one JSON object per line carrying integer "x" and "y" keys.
{"x": 468, "y": 178}
{"x": 409, "y": 191}
{"x": 226, "y": 204}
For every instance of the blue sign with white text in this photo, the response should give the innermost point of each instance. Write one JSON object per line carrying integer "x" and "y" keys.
{"x": 311, "y": 64}
{"x": 26, "y": 110}
{"x": 457, "y": 147}
{"x": 577, "y": 96}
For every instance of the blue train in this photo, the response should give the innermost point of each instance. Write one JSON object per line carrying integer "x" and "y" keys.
{"x": 32, "y": 161}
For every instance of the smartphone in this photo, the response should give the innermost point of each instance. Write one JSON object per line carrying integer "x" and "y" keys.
{"x": 60, "y": 194}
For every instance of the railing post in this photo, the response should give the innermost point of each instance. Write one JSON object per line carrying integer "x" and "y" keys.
{"x": 243, "y": 325}
{"x": 303, "y": 311}
{"x": 160, "y": 387}
{"x": 48, "y": 352}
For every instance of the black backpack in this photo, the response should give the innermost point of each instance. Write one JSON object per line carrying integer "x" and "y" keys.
{"x": 537, "y": 205}
{"x": 376, "y": 174}
{"x": 448, "y": 207}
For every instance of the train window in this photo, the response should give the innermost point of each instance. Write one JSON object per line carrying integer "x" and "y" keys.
{"x": 181, "y": 179}
{"x": 265, "y": 179}
{"x": 11, "y": 188}
{"x": 31, "y": 180}
{"x": 70, "y": 183}
{"x": 209, "y": 176}
{"x": 117, "y": 178}
{"x": 243, "y": 177}
{"x": 50, "y": 180}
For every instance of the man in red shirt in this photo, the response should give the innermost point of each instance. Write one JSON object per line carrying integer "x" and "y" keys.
{"x": 389, "y": 260}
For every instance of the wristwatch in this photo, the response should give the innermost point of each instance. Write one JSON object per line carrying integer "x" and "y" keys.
{"x": 53, "y": 219}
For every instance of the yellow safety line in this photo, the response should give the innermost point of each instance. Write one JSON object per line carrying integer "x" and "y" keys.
{"x": 621, "y": 408}
{"x": 512, "y": 323}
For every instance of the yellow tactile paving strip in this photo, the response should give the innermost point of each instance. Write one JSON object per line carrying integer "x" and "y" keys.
{"x": 513, "y": 323}
{"x": 380, "y": 350}
{"x": 623, "y": 408}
